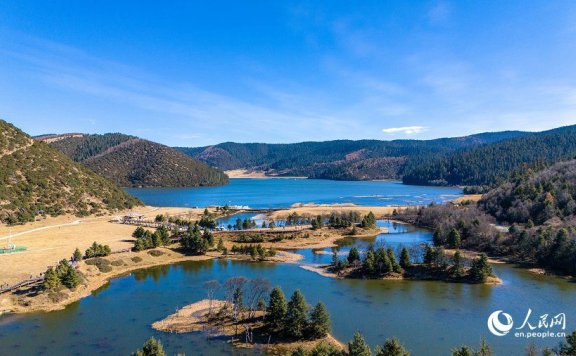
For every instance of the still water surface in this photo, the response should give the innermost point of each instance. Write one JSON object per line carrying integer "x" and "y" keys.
{"x": 274, "y": 193}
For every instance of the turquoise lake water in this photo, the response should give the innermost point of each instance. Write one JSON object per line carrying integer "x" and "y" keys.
{"x": 274, "y": 193}
{"x": 430, "y": 318}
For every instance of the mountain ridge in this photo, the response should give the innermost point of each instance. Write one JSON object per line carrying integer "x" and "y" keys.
{"x": 36, "y": 179}
{"x": 135, "y": 162}
{"x": 336, "y": 159}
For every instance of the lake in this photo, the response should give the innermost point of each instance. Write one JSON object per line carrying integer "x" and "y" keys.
{"x": 283, "y": 192}
{"x": 429, "y": 317}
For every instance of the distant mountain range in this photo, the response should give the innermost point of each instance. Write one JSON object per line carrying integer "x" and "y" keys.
{"x": 133, "y": 162}
{"x": 491, "y": 164}
{"x": 481, "y": 159}
{"x": 484, "y": 159}
{"x": 37, "y": 179}
{"x": 341, "y": 159}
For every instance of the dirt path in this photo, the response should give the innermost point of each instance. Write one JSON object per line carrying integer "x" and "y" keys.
{"x": 76, "y": 222}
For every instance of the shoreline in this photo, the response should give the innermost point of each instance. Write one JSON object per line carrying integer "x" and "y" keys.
{"x": 27, "y": 299}
{"x": 195, "y": 317}
{"x": 324, "y": 271}
{"x": 41, "y": 302}
{"x": 244, "y": 174}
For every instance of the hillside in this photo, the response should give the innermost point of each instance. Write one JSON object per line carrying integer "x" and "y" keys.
{"x": 493, "y": 163}
{"x": 133, "y": 162}
{"x": 541, "y": 197}
{"x": 37, "y": 179}
{"x": 341, "y": 159}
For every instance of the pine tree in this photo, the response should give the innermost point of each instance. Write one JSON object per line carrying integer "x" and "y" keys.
{"x": 462, "y": 351}
{"x": 481, "y": 269}
{"x": 314, "y": 224}
{"x": 405, "y": 258}
{"x": 369, "y": 221}
{"x": 320, "y": 324}
{"x": 358, "y": 346}
{"x": 370, "y": 262}
{"x": 51, "y": 280}
{"x": 326, "y": 349}
{"x": 429, "y": 255}
{"x": 454, "y": 239}
{"x": 484, "y": 349}
{"x": 383, "y": 261}
{"x": 139, "y": 232}
{"x": 276, "y": 311}
{"x": 392, "y": 347}
{"x": 152, "y": 347}
{"x": 393, "y": 262}
{"x": 70, "y": 279}
{"x": 164, "y": 236}
{"x": 335, "y": 258}
{"x": 457, "y": 264}
{"x": 77, "y": 256}
{"x": 438, "y": 237}
{"x": 353, "y": 255}
{"x": 296, "y": 313}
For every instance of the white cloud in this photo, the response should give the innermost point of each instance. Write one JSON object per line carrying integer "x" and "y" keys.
{"x": 408, "y": 130}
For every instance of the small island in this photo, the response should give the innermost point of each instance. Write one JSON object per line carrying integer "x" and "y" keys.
{"x": 436, "y": 264}
{"x": 244, "y": 317}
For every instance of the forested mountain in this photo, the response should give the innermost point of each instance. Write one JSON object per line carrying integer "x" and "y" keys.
{"x": 493, "y": 163}
{"x": 546, "y": 196}
{"x": 37, "y": 179}
{"x": 341, "y": 159}
{"x": 134, "y": 162}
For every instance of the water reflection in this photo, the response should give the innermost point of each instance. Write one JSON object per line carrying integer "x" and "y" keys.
{"x": 155, "y": 273}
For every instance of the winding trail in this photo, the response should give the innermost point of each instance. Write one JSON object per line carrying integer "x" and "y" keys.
{"x": 75, "y": 222}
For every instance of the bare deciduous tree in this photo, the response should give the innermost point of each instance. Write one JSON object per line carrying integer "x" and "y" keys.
{"x": 211, "y": 287}
{"x": 256, "y": 289}
{"x": 231, "y": 287}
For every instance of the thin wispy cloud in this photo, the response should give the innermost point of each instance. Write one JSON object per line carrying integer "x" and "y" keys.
{"x": 338, "y": 72}
{"x": 408, "y": 130}
{"x": 71, "y": 69}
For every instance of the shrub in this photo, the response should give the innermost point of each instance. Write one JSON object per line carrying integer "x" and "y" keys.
{"x": 136, "y": 259}
{"x": 155, "y": 253}
{"x": 102, "y": 264}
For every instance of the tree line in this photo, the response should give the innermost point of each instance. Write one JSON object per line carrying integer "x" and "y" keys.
{"x": 381, "y": 261}
{"x": 391, "y": 347}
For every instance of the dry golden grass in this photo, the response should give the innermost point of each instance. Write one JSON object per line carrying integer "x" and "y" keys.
{"x": 243, "y": 173}
{"x": 468, "y": 198}
{"x": 52, "y": 239}
{"x": 313, "y": 210}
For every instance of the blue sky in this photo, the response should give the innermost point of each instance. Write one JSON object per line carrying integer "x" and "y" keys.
{"x": 193, "y": 73}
